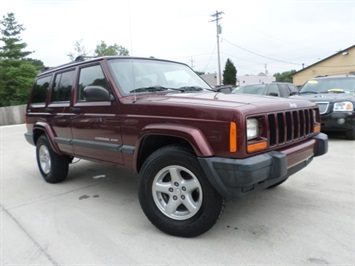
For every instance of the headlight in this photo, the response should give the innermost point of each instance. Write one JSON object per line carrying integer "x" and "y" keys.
{"x": 252, "y": 128}
{"x": 343, "y": 106}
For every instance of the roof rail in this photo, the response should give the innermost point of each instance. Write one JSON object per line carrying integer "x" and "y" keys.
{"x": 77, "y": 59}
{"x": 46, "y": 68}
{"x": 83, "y": 58}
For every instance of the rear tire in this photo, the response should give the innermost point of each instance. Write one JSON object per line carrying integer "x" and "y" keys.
{"x": 175, "y": 194}
{"x": 53, "y": 167}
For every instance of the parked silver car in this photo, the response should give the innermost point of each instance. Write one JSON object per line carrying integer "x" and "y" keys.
{"x": 278, "y": 89}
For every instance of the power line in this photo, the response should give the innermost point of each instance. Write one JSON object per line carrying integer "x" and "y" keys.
{"x": 282, "y": 61}
{"x": 210, "y": 59}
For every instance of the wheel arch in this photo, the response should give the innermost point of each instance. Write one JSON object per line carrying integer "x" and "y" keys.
{"x": 156, "y": 136}
{"x": 44, "y": 129}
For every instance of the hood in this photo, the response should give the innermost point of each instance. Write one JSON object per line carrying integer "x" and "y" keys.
{"x": 326, "y": 97}
{"x": 221, "y": 100}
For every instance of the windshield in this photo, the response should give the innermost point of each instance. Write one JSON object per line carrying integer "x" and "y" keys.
{"x": 251, "y": 89}
{"x": 143, "y": 75}
{"x": 329, "y": 85}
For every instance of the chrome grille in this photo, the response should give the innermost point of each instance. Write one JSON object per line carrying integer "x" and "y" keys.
{"x": 289, "y": 126}
{"x": 323, "y": 107}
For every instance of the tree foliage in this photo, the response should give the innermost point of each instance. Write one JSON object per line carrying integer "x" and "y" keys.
{"x": 10, "y": 34}
{"x": 103, "y": 49}
{"x": 79, "y": 49}
{"x": 16, "y": 79}
{"x": 229, "y": 73}
{"x": 16, "y": 72}
{"x": 285, "y": 76}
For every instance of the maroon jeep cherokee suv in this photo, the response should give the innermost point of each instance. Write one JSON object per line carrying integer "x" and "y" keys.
{"x": 191, "y": 146}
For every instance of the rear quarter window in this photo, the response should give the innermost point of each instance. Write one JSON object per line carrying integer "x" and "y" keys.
{"x": 40, "y": 90}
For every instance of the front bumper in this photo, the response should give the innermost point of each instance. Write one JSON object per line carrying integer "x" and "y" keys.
{"x": 238, "y": 177}
{"x": 338, "y": 121}
{"x": 29, "y": 138}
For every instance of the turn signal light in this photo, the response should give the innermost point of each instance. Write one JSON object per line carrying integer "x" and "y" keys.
{"x": 257, "y": 146}
{"x": 232, "y": 137}
{"x": 316, "y": 128}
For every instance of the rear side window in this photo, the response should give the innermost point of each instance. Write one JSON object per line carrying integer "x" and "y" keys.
{"x": 40, "y": 90}
{"x": 62, "y": 86}
{"x": 91, "y": 76}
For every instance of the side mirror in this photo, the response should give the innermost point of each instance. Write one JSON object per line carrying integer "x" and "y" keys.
{"x": 225, "y": 90}
{"x": 96, "y": 94}
{"x": 273, "y": 94}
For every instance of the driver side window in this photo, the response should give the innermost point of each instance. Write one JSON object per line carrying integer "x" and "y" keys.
{"x": 91, "y": 76}
{"x": 274, "y": 90}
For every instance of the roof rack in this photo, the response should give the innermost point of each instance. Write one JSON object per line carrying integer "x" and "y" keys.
{"x": 77, "y": 59}
{"x": 83, "y": 58}
{"x": 46, "y": 68}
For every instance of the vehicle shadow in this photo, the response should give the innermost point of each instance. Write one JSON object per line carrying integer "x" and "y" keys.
{"x": 335, "y": 135}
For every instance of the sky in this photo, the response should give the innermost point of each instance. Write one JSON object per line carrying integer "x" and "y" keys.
{"x": 270, "y": 36}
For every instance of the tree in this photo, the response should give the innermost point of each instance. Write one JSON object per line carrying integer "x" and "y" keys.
{"x": 17, "y": 72}
{"x": 37, "y": 63}
{"x": 10, "y": 34}
{"x": 229, "y": 73}
{"x": 16, "y": 79}
{"x": 102, "y": 49}
{"x": 79, "y": 49}
{"x": 285, "y": 76}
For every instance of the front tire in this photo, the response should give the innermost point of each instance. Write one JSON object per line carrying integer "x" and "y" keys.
{"x": 175, "y": 194}
{"x": 53, "y": 167}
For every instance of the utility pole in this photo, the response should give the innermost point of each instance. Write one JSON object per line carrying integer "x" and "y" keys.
{"x": 219, "y": 31}
{"x": 192, "y": 63}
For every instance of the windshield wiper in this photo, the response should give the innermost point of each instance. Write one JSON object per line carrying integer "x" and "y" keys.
{"x": 336, "y": 90}
{"x": 191, "y": 88}
{"x": 161, "y": 88}
{"x": 311, "y": 92}
{"x": 150, "y": 89}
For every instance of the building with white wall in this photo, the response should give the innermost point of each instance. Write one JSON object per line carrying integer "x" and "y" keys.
{"x": 261, "y": 78}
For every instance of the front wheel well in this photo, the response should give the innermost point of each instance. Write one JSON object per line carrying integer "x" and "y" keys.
{"x": 151, "y": 143}
{"x": 37, "y": 133}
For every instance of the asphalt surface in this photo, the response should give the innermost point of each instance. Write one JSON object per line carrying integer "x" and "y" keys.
{"x": 94, "y": 217}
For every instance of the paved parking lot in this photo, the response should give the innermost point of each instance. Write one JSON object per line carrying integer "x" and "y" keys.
{"x": 94, "y": 217}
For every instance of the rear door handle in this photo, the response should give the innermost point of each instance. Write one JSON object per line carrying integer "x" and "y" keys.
{"x": 74, "y": 109}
